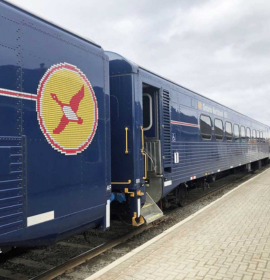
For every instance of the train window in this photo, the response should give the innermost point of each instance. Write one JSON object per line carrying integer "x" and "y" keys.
{"x": 254, "y": 134}
{"x": 218, "y": 129}
{"x": 248, "y": 133}
{"x": 147, "y": 112}
{"x": 243, "y": 133}
{"x": 236, "y": 132}
{"x": 228, "y": 131}
{"x": 206, "y": 127}
{"x": 261, "y": 136}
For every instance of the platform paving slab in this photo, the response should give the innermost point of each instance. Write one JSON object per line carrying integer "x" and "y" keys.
{"x": 228, "y": 239}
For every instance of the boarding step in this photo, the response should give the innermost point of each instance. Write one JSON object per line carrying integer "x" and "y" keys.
{"x": 150, "y": 211}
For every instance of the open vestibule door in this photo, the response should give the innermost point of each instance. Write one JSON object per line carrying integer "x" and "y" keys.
{"x": 152, "y": 152}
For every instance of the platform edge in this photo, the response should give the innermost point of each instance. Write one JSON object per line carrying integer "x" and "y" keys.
{"x": 164, "y": 233}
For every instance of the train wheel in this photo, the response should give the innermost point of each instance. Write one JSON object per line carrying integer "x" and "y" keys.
{"x": 182, "y": 195}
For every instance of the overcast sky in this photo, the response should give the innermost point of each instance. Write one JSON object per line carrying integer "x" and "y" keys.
{"x": 219, "y": 48}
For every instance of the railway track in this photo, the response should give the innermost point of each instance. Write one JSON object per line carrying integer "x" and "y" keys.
{"x": 45, "y": 271}
{"x": 61, "y": 269}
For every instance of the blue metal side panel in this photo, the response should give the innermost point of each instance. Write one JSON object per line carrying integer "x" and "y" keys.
{"x": 67, "y": 185}
{"x": 12, "y": 184}
{"x": 197, "y": 159}
{"x": 107, "y": 123}
{"x": 138, "y": 159}
{"x": 126, "y": 112}
{"x": 121, "y": 117}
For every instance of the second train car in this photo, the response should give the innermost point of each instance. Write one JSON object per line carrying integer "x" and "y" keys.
{"x": 165, "y": 136}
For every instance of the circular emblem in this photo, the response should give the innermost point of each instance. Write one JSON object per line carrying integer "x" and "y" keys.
{"x": 67, "y": 109}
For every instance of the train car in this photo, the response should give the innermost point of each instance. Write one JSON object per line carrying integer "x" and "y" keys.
{"x": 54, "y": 131}
{"x": 166, "y": 138}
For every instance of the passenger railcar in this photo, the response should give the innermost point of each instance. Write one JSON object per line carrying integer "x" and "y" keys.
{"x": 57, "y": 134}
{"x": 54, "y": 131}
{"x": 165, "y": 136}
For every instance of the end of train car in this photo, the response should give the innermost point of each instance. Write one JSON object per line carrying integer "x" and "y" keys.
{"x": 54, "y": 131}
{"x": 166, "y": 138}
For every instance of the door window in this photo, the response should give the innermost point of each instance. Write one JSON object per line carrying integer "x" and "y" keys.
{"x": 147, "y": 112}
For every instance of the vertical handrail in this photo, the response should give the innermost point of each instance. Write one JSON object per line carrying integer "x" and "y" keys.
{"x": 142, "y": 150}
{"x": 126, "y": 129}
{"x": 145, "y": 167}
{"x": 144, "y": 154}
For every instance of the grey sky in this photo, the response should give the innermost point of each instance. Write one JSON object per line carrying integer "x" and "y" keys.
{"x": 219, "y": 48}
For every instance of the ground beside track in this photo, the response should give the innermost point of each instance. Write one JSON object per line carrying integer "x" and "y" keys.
{"x": 32, "y": 262}
{"x": 87, "y": 269}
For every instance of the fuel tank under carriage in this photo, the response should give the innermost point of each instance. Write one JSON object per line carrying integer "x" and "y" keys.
{"x": 166, "y": 138}
{"x": 54, "y": 131}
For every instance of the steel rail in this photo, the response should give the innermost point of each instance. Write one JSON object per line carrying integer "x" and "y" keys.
{"x": 86, "y": 256}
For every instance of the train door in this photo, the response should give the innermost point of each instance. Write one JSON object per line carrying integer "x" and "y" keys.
{"x": 152, "y": 142}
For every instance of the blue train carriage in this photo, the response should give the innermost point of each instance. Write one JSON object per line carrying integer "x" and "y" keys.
{"x": 55, "y": 131}
{"x": 165, "y": 138}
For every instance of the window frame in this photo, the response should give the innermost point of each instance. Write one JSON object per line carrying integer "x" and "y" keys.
{"x": 226, "y": 131}
{"x": 150, "y": 112}
{"x": 250, "y": 136}
{"x": 264, "y": 136}
{"x": 261, "y": 136}
{"x": 234, "y": 125}
{"x": 254, "y": 130}
{"x": 243, "y": 138}
{"x": 210, "y": 126}
{"x": 215, "y": 129}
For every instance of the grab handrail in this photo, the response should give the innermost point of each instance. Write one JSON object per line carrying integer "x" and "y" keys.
{"x": 144, "y": 154}
{"x": 126, "y": 129}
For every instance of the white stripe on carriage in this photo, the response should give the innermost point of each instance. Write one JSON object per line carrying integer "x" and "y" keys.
{"x": 185, "y": 124}
{"x": 139, "y": 207}
{"x": 18, "y": 94}
{"x": 108, "y": 214}
{"x": 41, "y": 218}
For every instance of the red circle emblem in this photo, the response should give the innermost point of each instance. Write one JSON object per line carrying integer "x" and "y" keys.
{"x": 67, "y": 109}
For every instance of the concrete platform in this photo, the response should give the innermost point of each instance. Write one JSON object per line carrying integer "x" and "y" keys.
{"x": 228, "y": 239}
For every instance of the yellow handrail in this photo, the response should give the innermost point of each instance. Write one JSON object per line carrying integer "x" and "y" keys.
{"x": 132, "y": 194}
{"x": 126, "y": 151}
{"x": 142, "y": 140}
{"x": 144, "y": 154}
{"x": 121, "y": 183}
{"x": 145, "y": 167}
